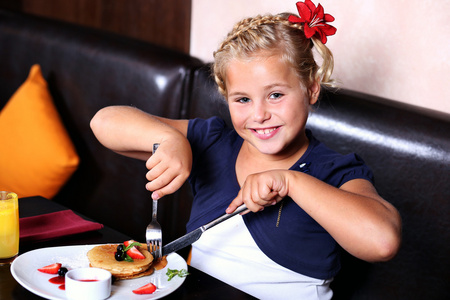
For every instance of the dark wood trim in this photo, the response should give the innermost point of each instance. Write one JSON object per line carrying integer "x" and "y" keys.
{"x": 163, "y": 22}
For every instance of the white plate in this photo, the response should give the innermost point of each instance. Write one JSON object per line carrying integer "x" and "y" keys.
{"x": 25, "y": 270}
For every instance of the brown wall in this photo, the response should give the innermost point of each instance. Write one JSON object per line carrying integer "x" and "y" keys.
{"x": 163, "y": 22}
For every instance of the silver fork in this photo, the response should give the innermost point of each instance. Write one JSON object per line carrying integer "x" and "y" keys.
{"x": 153, "y": 233}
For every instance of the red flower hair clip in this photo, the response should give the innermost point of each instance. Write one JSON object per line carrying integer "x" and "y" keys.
{"x": 314, "y": 20}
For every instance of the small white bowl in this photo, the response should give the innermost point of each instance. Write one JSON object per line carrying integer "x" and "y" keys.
{"x": 88, "y": 284}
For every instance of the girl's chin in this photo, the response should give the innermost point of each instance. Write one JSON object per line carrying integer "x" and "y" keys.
{"x": 275, "y": 147}
{"x": 264, "y": 148}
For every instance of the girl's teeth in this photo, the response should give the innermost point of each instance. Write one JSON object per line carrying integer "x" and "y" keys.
{"x": 265, "y": 131}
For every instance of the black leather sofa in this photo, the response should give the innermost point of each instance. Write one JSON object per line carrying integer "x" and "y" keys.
{"x": 407, "y": 147}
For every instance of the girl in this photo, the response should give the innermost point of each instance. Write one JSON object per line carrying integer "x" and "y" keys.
{"x": 307, "y": 200}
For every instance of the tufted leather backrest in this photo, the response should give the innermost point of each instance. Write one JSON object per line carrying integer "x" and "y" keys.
{"x": 408, "y": 149}
{"x": 86, "y": 70}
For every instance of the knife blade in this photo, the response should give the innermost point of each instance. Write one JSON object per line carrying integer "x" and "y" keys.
{"x": 194, "y": 235}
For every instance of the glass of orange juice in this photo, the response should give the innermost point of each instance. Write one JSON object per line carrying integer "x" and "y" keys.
{"x": 9, "y": 227}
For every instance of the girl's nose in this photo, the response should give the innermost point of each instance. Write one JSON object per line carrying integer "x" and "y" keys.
{"x": 260, "y": 112}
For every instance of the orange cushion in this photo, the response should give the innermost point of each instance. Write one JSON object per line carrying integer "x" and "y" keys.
{"x": 37, "y": 156}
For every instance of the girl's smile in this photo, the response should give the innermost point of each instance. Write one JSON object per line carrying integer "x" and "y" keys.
{"x": 265, "y": 133}
{"x": 268, "y": 104}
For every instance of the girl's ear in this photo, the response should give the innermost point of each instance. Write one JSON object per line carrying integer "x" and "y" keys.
{"x": 313, "y": 92}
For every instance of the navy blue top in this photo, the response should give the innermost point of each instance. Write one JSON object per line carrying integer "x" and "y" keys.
{"x": 295, "y": 240}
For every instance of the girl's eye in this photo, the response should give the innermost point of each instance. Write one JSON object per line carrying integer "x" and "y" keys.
{"x": 275, "y": 95}
{"x": 243, "y": 100}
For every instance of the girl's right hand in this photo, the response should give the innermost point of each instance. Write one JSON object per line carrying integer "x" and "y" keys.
{"x": 169, "y": 167}
{"x": 132, "y": 132}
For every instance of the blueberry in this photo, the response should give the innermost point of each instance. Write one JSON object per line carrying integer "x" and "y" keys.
{"x": 119, "y": 255}
{"x": 120, "y": 248}
{"x": 62, "y": 271}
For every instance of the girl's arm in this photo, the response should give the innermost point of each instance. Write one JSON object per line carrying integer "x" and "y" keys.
{"x": 363, "y": 223}
{"x": 355, "y": 215}
{"x": 132, "y": 132}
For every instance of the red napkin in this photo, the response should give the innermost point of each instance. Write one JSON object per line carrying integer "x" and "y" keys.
{"x": 54, "y": 225}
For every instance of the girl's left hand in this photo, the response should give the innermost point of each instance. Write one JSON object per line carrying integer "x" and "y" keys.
{"x": 262, "y": 189}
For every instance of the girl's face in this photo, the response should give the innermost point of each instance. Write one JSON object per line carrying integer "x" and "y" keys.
{"x": 268, "y": 104}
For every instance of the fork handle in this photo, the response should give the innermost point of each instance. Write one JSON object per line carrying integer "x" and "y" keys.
{"x": 154, "y": 209}
{"x": 155, "y": 202}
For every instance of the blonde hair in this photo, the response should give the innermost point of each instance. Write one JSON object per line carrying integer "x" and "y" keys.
{"x": 276, "y": 35}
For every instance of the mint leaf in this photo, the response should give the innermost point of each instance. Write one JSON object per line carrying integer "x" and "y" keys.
{"x": 173, "y": 272}
{"x": 127, "y": 258}
{"x": 131, "y": 246}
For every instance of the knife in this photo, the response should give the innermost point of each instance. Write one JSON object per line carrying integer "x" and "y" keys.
{"x": 194, "y": 235}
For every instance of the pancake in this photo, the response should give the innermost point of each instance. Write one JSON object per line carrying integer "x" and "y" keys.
{"x": 103, "y": 257}
{"x": 149, "y": 271}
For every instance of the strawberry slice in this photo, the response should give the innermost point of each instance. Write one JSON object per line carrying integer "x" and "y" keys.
{"x": 127, "y": 243}
{"x": 149, "y": 288}
{"x": 51, "y": 269}
{"x": 134, "y": 253}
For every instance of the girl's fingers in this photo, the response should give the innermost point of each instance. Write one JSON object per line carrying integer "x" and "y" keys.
{"x": 167, "y": 183}
{"x": 234, "y": 204}
{"x": 260, "y": 190}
